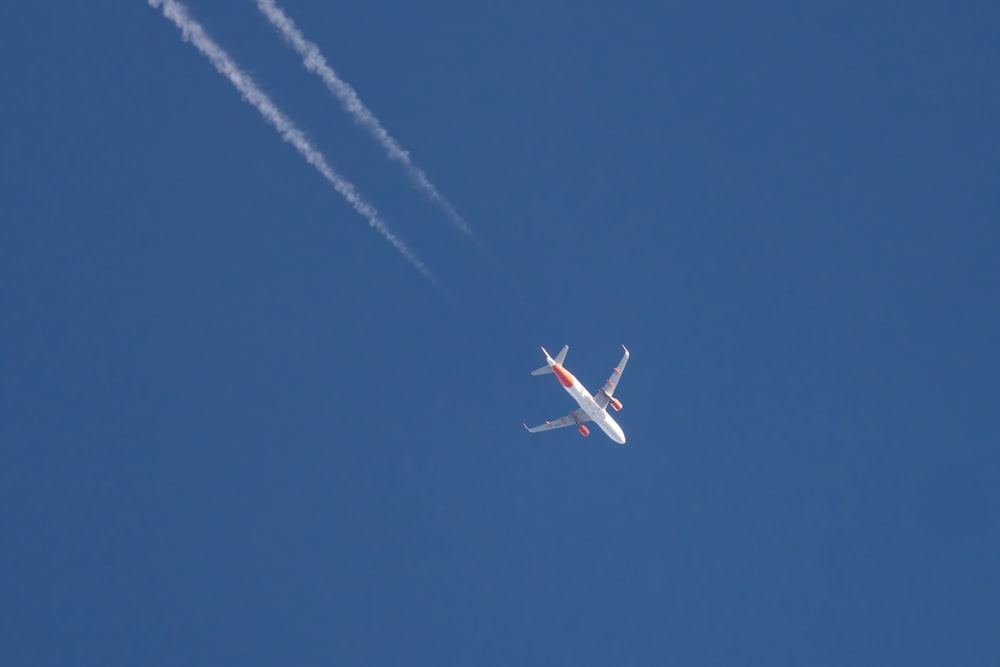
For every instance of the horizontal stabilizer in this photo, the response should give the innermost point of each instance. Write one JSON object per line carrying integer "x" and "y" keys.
{"x": 560, "y": 358}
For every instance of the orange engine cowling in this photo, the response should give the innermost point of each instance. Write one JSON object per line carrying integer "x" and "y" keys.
{"x": 616, "y": 404}
{"x": 584, "y": 431}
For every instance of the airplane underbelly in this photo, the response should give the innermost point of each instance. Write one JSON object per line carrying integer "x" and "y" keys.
{"x": 591, "y": 407}
{"x": 600, "y": 417}
{"x": 580, "y": 395}
{"x": 605, "y": 421}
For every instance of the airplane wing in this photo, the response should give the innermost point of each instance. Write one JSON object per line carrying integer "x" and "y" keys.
{"x": 572, "y": 419}
{"x": 604, "y": 394}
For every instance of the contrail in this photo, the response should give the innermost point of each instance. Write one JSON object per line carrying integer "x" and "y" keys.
{"x": 194, "y": 33}
{"x": 315, "y": 62}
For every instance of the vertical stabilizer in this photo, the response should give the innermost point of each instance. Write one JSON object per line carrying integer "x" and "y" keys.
{"x": 560, "y": 358}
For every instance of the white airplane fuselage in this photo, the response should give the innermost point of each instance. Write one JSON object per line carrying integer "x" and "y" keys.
{"x": 580, "y": 394}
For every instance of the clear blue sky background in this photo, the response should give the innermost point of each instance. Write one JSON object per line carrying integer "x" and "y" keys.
{"x": 236, "y": 428}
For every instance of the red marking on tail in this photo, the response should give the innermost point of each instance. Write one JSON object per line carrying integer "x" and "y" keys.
{"x": 566, "y": 378}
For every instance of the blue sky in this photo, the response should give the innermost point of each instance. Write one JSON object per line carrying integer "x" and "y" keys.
{"x": 238, "y": 428}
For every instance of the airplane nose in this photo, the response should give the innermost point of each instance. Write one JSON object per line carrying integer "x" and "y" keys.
{"x": 619, "y": 435}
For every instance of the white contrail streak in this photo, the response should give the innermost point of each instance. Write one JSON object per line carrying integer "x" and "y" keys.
{"x": 194, "y": 33}
{"x": 315, "y": 62}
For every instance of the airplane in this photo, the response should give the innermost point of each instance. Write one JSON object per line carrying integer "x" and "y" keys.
{"x": 592, "y": 407}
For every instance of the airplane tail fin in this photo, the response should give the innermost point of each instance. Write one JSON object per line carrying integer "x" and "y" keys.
{"x": 558, "y": 360}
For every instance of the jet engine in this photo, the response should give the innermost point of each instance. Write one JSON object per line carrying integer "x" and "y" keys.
{"x": 616, "y": 404}
{"x": 584, "y": 431}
